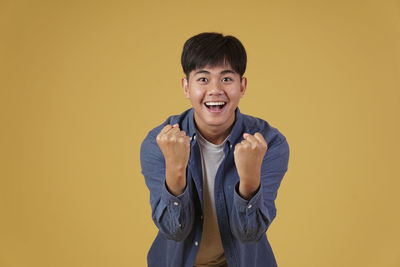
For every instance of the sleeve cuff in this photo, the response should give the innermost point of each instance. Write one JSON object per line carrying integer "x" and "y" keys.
{"x": 169, "y": 198}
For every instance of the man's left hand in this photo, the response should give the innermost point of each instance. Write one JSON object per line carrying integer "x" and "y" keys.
{"x": 249, "y": 155}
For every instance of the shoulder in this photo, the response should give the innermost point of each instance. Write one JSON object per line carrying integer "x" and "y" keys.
{"x": 270, "y": 133}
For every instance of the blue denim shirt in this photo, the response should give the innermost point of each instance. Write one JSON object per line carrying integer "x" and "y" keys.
{"x": 242, "y": 224}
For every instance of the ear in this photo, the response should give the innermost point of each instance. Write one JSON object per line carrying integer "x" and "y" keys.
{"x": 243, "y": 86}
{"x": 185, "y": 87}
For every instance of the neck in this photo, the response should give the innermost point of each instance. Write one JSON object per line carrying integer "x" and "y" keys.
{"x": 215, "y": 134}
{"x": 215, "y": 137}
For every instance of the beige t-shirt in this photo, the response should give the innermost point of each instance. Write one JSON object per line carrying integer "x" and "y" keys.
{"x": 211, "y": 251}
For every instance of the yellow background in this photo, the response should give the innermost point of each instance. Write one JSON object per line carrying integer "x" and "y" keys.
{"x": 82, "y": 82}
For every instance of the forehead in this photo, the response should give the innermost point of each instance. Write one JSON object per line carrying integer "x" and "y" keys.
{"x": 219, "y": 69}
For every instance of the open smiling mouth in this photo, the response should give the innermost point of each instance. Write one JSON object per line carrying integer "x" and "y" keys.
{"x": 215, "y": 106}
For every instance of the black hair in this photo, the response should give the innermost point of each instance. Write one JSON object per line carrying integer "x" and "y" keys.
{"x": 213, "y": 49}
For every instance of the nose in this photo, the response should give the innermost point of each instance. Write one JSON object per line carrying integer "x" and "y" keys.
{"x": 215, "y": 88}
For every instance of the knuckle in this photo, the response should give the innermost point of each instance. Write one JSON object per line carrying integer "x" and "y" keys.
{"x": 161, "y": 138}
{"x": 265, "y": 146}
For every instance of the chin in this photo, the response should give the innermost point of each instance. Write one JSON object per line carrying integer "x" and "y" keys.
{"x": 216, "y": 121}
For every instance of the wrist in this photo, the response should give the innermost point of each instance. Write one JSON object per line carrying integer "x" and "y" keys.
{"x": 175, "y": 181}
{"x": 175, "y": 167}
{"x": 248, "y": 190}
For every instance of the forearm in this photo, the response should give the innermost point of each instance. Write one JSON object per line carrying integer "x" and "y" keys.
{"x": 249, "y": 217}
{"x": 248, "y": 190}
{"x": 175, "y": 179}
{"x": 174, "y": 215}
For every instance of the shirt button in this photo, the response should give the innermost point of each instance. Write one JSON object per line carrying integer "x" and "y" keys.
{"x": 194, "y": 137}
{"x": 180, "y": 225}
{"x": 231, "y": 146}
{"x": 196, "y": 243}
{"x": 201, "y": 217}
{"x": 176, "y": 203}
{"x": 249, "y": 206}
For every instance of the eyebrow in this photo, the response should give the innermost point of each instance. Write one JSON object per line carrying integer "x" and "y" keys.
{"x": 207, "y": 72}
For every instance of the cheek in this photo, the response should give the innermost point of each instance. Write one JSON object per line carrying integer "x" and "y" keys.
{"x": 235, "y": 95}
{"x": 196, "y": 95}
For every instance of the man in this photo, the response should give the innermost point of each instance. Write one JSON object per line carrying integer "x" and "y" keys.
{"x": 213, "y": 172}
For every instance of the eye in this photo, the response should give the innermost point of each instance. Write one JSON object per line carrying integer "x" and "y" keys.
{"x": 227, "y": 79}
{"x": 202, "y": 79}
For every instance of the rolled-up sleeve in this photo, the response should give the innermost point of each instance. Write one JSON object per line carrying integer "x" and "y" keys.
{"x": 173, "y": 215}
{"x": 250, "y": 219}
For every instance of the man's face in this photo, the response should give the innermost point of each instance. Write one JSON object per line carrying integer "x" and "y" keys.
{"x": 214, "y": 93}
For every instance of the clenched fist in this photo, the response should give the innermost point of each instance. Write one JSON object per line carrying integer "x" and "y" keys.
{"x": 175, "y": 145}
{"x": 249, "y": 155}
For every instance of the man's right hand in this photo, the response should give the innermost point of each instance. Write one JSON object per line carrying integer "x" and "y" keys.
{"x": 175, "y": 145}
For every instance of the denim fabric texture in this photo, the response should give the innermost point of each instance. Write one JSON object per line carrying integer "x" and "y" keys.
{"x": 242, "y": 223}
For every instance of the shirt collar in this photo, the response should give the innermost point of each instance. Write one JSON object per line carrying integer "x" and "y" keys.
{"x": 235, "y": 134}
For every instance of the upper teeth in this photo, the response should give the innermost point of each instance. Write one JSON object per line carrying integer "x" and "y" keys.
{"x": 215, "y": 103}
